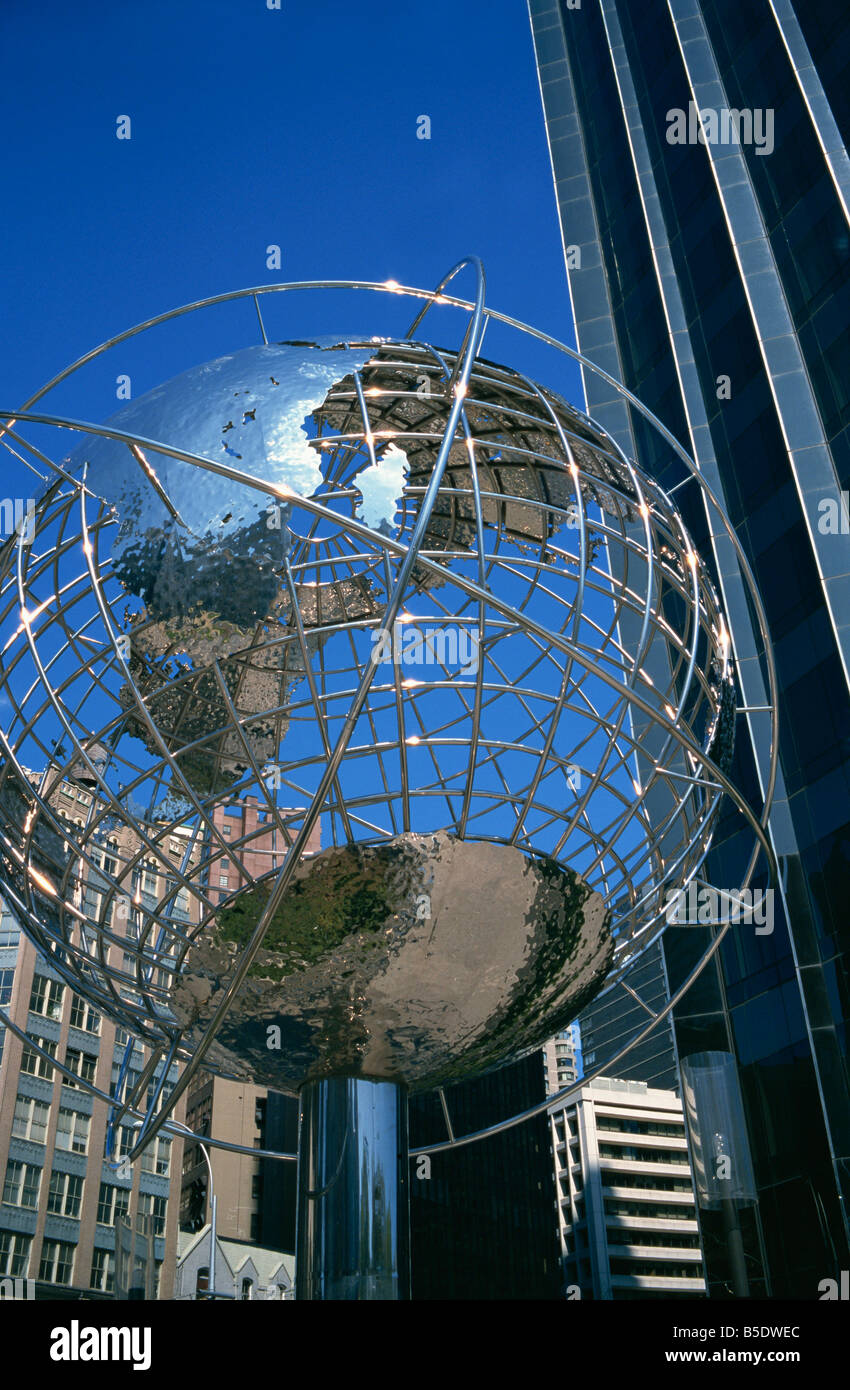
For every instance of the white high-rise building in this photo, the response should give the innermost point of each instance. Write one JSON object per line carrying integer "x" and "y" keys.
{"x": 627, "y": 1220}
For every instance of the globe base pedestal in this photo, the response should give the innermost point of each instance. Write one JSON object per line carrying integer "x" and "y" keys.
{"x": 353, "y": 1224}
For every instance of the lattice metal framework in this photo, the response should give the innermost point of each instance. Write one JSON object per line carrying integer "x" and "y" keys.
{"x": 568, "y": 687}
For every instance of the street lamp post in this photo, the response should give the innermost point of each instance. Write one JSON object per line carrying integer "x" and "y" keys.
{"x": 177, "y": 1124}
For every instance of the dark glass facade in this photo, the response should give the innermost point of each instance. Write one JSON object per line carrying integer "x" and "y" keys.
{"x": 484, "y": 1223}
{"x": 714, "y": 280}
{"x": 278, "y": 1132}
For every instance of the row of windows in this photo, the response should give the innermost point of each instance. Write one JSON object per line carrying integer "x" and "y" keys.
{"x": 131, "y": 1080}
{"x": 656, "y": 1238}
{"x": 660, "y": 1210}
{"x": 114, "y": 1202}
{"x": 31, "y": 1119}
{"x": 641, "y": 1155}
{"x": 648, "y": 1181}
{"x": 57, "y": 1261}
{"x": 665, "y": 1269}
{"x": 57, "y": 1258}
{"x": 32, "y": 1116}
{"x": 82, "y": 1064}
{"x": 614, "y": 1124}
{"x": 70, "y": 793}
{"x": 46, "y": 999}
{"x": 65, "y": 1194}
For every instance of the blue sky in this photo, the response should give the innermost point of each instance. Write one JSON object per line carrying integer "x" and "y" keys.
{"x": 252, "y": 127}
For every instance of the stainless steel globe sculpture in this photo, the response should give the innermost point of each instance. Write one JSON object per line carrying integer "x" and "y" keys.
{"x": 408, "y": 600}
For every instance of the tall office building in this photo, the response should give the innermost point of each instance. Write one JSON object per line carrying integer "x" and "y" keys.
{"x": 627, "y": 1218}
{"x": 561, "y": 1059}
{"x": 255, "y": 1197}
{"x": 698, "y": 152}
{"x": 231, "y": 1111}
{"x": 61, "y": 1195}
{"x": 482, "y": 1217}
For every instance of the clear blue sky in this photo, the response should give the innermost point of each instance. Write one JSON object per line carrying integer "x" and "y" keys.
{"x": 252, "y": 127}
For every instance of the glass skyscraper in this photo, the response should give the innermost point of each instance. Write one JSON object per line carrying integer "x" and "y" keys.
{"x": 614, "y": 1018}
{"x": 483, "y": 1217}
{"x": 702, "y": 183}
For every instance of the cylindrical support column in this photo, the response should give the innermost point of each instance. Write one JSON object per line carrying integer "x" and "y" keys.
{"x": 735, "y": 1246}
{"x": 353, "y": 1231}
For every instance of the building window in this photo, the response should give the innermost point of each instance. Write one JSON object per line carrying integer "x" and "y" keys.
{"x": 32, "y": 1062}
{"x": 131, "y": 1079}
{"x": 65, "y": 1195}
{"x": 72, "y": 1131}
{"x": 14, "y": 1254}
{"x": 57, "y": 1262}
{"x": 9, "y": 936}
{"x": 255, "y": 1226}
{"x": 145, "y": 877}
{"x": 82, "y": 1064}
{"x": 22, "y": 1183}
{"x": 163, "y": 1095}
{"x": 156, "y": 1209}
{"x": 83, "y": 1017}
{"x": 6, "y": 981}
{"x": 103, "y": 1271}
{"x": 124, "y": 1140}
{"x": 202, "y": 1282}
{"x": 46, "y": 997}
{"x": 156, "y": 1158}
{"x": 112, "y": 1202}
{"x": 30, "y": 1120}
{"x": 92, "y": 902}
{"x": 247, "y": 1289}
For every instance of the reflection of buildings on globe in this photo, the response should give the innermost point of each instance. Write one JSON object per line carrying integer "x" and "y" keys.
{"x": 372, "y": 965}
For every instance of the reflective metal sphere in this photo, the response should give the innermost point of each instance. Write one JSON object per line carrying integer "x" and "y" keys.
{"x": 421, "y": 960}
{"x": 202, "y": 616}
